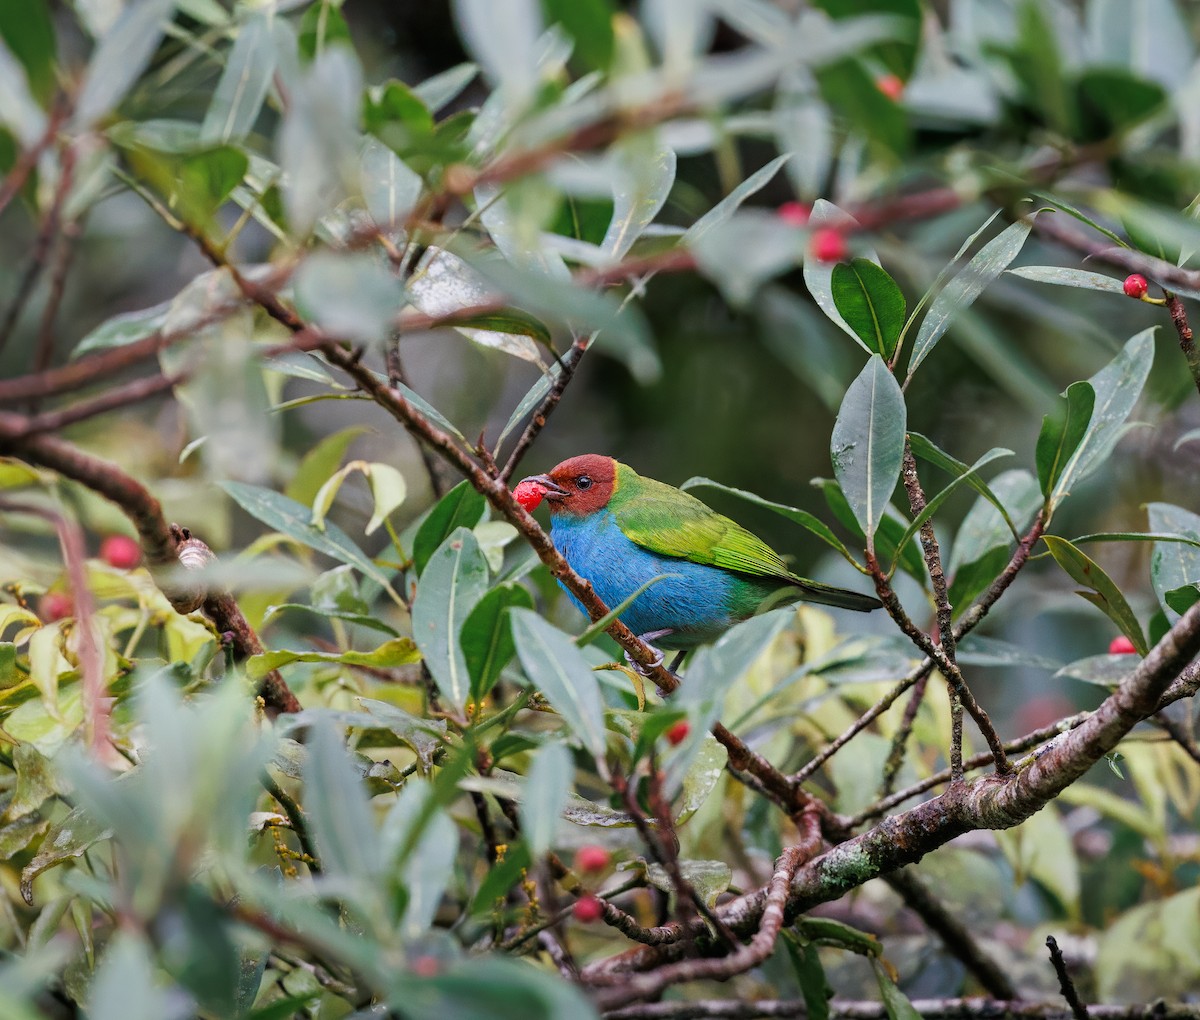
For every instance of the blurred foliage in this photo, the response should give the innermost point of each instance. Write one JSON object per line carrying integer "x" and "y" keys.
{"x": 385, "y": 165}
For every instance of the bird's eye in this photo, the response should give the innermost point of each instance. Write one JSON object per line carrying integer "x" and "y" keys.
{"x": 583, "y": 482}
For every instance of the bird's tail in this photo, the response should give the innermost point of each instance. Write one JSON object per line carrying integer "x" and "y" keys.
{"x": 840, "y": 598}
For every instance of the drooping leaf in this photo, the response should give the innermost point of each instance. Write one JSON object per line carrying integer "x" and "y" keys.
{"x": 558, "y": 669}
{"x": 1172, "y": 564}
{"x": 1102, "y": 591}
{"x": 643, "y": 171}
{"x": 550, "y": 779}
{"x": 867, "y": 445}
{"x": 870, "y": 303}
{"x": 336, "y": 804}
{"x": 725, "y": 208}
{"x": 453, "y": 582}
{"x": 971, "y": 281}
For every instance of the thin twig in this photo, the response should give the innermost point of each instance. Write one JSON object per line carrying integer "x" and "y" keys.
{"x": 27, "y": 160}
{"x": 115, "y": 399}
{"x": 895, "y": 758}
{"x": 929, "y": 1009}
{"x": 1065, "y": 984}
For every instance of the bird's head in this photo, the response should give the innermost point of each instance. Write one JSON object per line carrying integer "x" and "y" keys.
{"x": 579, "y": 486}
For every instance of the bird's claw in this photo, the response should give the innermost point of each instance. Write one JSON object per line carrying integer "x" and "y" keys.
{"x": 647, "y": 669}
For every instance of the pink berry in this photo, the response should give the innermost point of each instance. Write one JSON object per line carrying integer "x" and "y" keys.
{"x": 1121, "y": 645}
{"x": 678, "y": 733}
{"x": 1136, "y": 285}
{"x": 890, "y": 85}
{"x": 591, "y": 858}
{"x": 828, "y": 245}
{"x": 587, "y": 909}
{"x": 794, "y": 214}
{"x": 529, "y": 494}
{"x": 56, "y": 605}
{"x": 120, "y": 551}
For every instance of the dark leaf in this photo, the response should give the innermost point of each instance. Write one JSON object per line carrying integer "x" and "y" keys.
{"x": 870, "y": 302}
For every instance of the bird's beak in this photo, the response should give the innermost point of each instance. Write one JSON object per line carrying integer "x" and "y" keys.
{"x": 550, "y": 488}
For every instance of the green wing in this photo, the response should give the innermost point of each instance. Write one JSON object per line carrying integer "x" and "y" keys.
{"x": 668, "y": 521}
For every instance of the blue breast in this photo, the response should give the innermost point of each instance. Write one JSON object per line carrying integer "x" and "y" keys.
{"x": 692, "y": 599}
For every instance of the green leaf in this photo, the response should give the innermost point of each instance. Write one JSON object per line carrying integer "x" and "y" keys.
{"x": 931, "y": 507}
{"x": 867, "y": 445}
{"x": 390, "y": 654}
{"x": 68, "y": 838}
{"x": 895, "y": 1002}
{"x": 125, "y": 985}
{"x": 28, "y": 32}
{"x": 818, "y": 276}
{"x": 985, "y": 528}
{"x": 358, "y": 619}
{"x": 439, "y": 90}
{"x": 1113, "y": 100}
{"x": 123, "y": 329}
{"x": 320, "y": 462}
{"x": 195, "y": 184}
{"x": 337, "y": 807}
{"x": 1182, "y": 599}
{"x": 701, "y": 777}
{"x": 292, "y": 519}
{"x": 512, "y": 321}
{"x": 643, "y": 171}
{"x": 454, "y": 581}
{"x": 724, "y": 209}
{"x": 1117, "y": 388}
{"x": 351, "y": 297}
{"x": 390, "y": 187}
{"x": 851, "y": 91}
{"x": 1102, "y": 592}
{"x": 1064, "y": 277}
{"x": 557, "y": 668}
{"x": 708, "y": 878}
{"x": 487, "y": 641}
{"x": 887, "y": 538}
{"x": 810, "y": 975}
{"x": 961, "y": 292}
{"x": 550, "y": 779}
{"x": 793, "y": 514}
{"x": 589, "y": 24}
{"x": 871, "y": 304}
{"x": 322, "y": 25}
{"x": 925, "y": 449}
{"x": 1173, "y": 565}
{"x": 245, "y": 81}
{"x": 1062, "y": 431}
{"x": 461, "y": 507}
{"x": 120, "y": 58}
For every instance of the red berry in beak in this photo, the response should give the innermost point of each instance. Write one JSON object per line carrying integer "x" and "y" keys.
{"x": 529, "y": 494}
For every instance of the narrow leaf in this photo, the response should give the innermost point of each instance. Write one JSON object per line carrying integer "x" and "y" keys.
{"x": 961, "y": 292}
{"x": 1064, "y": 277}
{"x": 1102, "y": 592}
{"x": 867, "y": 445}
{"x": 1062, "y": 431}
{"x": 558, "y": 669}
{"x": 487, "y": 641}
{"x": 397, "y": 652}
{"x": 336, "y": 803}
{"x": 461, "y": 507}
{"x": 549, "y": 783}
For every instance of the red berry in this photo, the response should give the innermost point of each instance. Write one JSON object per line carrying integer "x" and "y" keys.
{"x": 591, "y": 858}
{"x": 587, "y": 909}
{"x": 426, "y": 966}
{"x": 1121, "y": 645}
{"x": 890, "y": 86}
{"x": 794, "y": 214}
{"x": 1136, "y": 285}
{"x": 120, "y": 551}
{"x": 529, "y": 494}
{"x": 56, "y": 605}
{"x": 678, "y": 732}
{"x": 828, "y": 245}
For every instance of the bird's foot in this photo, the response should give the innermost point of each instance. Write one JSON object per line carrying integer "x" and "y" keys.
{"x": 647, "y": 639}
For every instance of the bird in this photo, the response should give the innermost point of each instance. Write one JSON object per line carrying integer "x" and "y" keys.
{"x": 620, "y": 530}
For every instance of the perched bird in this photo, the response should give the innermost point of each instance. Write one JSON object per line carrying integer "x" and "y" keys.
{"x": 620, "y": 530}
